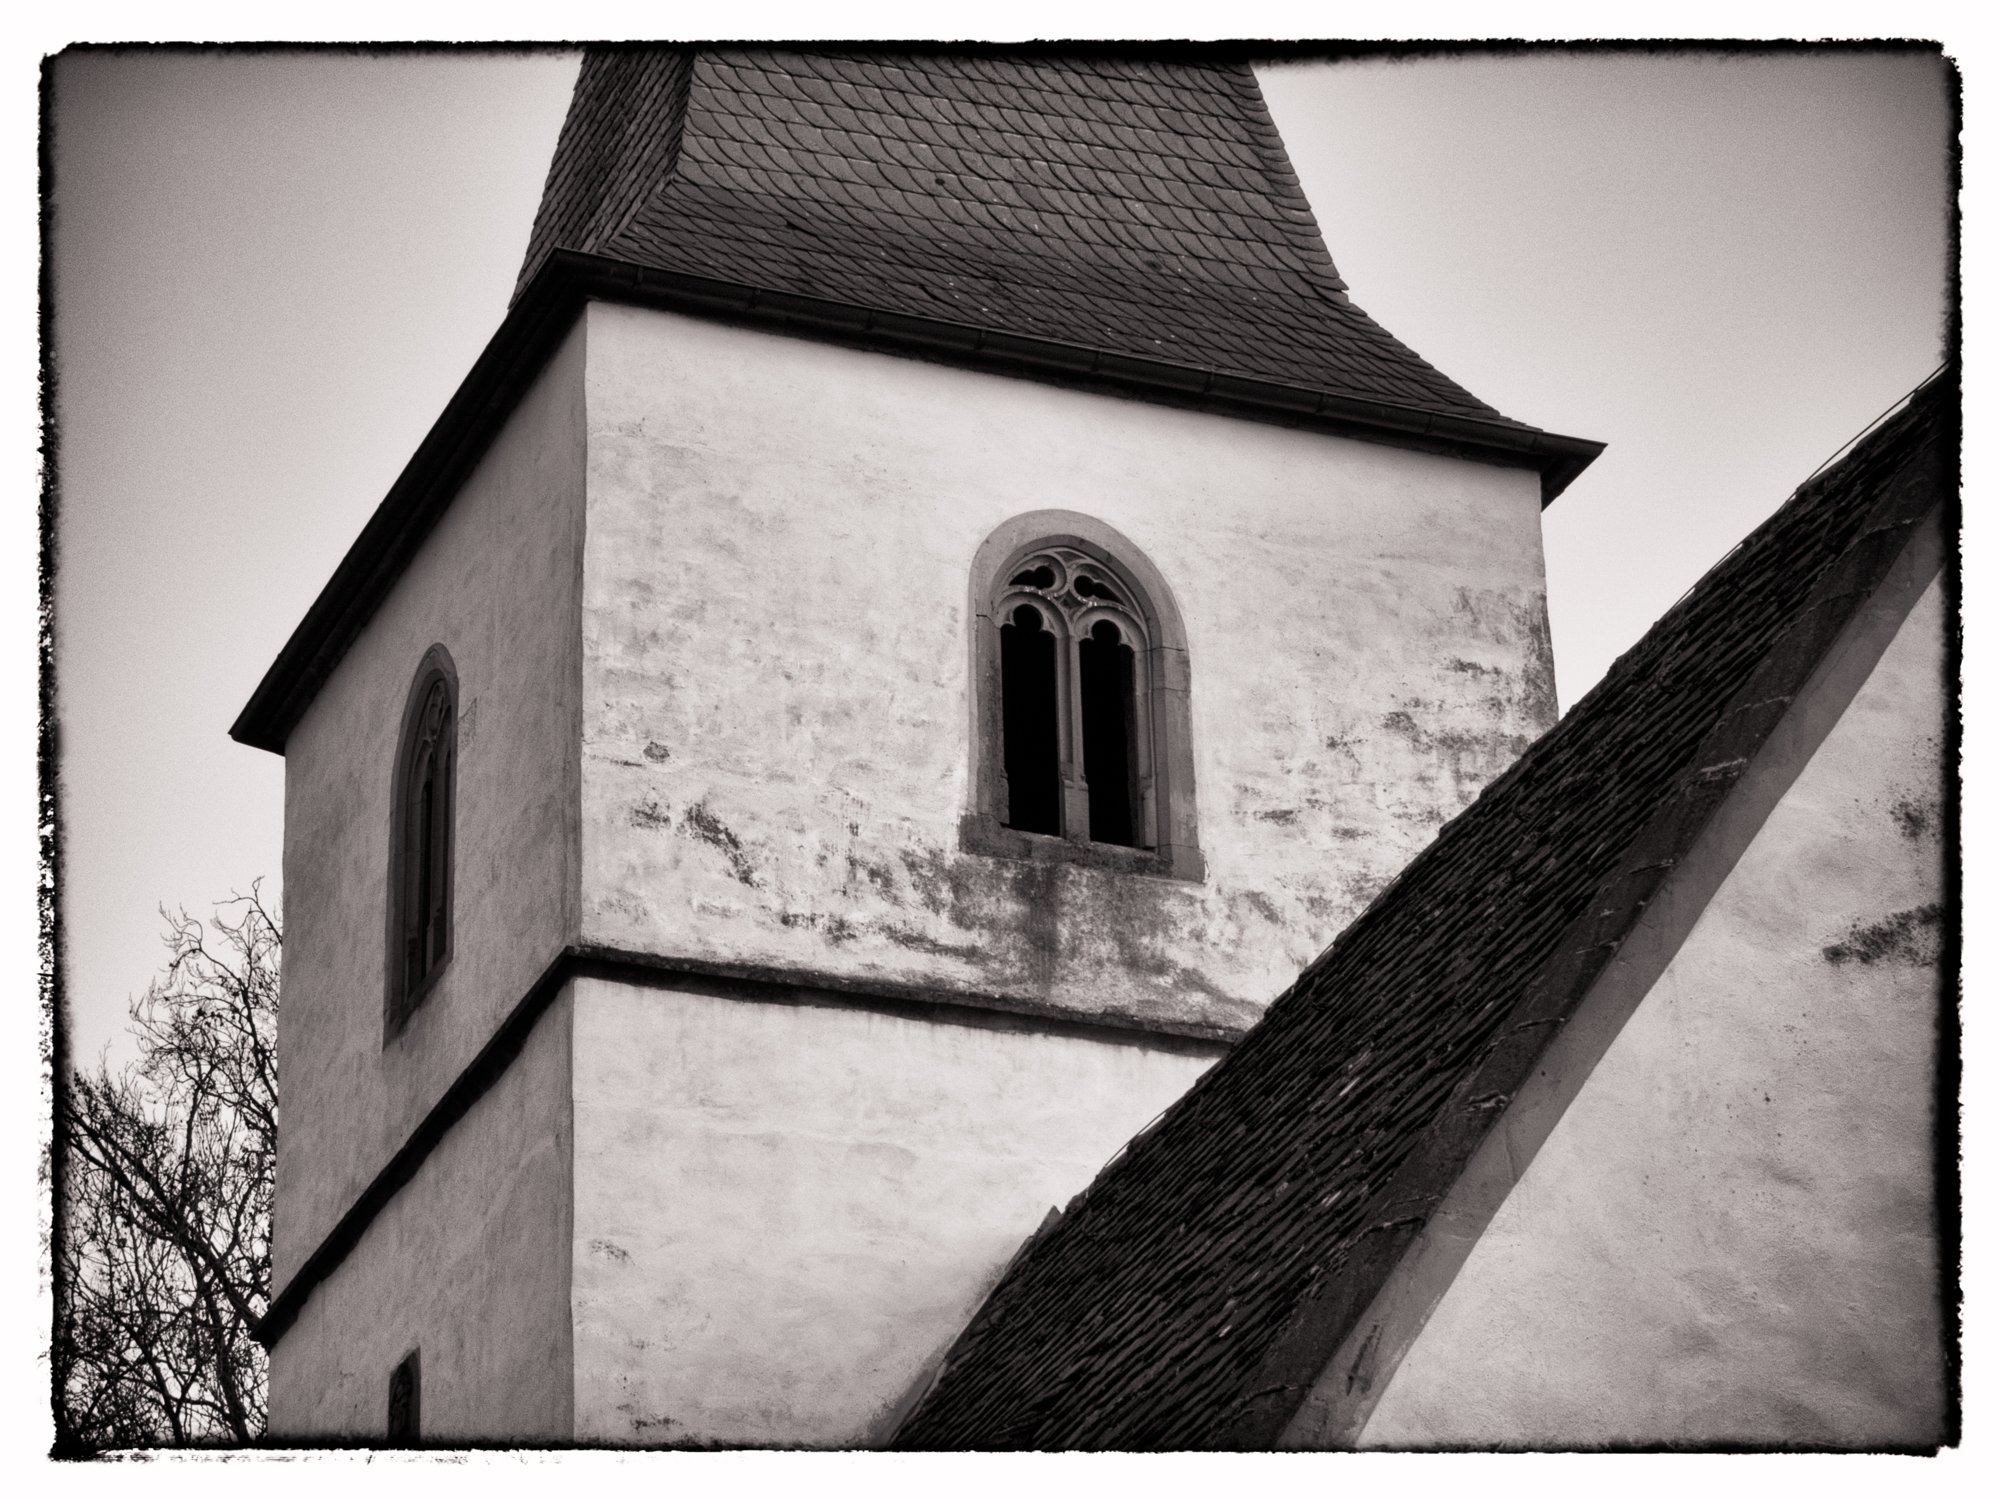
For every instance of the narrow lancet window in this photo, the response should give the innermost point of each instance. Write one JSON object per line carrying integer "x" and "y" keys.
{"x": 421, "y": 839}
{"x": 424, "y": 934}
{"x": 1110, "y": 723}
{"x": 1030, "y": 730}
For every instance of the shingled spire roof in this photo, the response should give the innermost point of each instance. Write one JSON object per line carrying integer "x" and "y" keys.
{"x": 1192, "y": 1294}
{"x": 1142, "y": 207}
{"x": 1123, "y": 224}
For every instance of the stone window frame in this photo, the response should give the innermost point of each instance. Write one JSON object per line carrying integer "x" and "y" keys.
{"x": 401, "y": 998}
{"x": 1169, "y": 829}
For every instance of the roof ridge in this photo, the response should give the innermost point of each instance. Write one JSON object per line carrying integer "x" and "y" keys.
{"x": 1589, "y": 943}
{"x": 625, "y": 103}
{"x": 1629, "y": 661}
{"x": 1911, "y": 407}
{"x": 679, "y": 69}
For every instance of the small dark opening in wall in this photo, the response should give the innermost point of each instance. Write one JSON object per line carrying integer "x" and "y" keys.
{"x": 406, "y": 1401}
{"x": 1028, "y": 715}
{"x": 1109, "y": 733}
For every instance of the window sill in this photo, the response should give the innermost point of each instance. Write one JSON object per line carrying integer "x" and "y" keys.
{"x": 982, "y": 834}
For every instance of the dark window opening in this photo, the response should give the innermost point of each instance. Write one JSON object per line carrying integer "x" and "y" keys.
{"x": 423, "y": 935}
{"x": 1090, "y": 588}
{"x": 420, "y": 844}
{"x": 406, "y": 1401}
{"x": 1029, "y": 729}
{"x": 427, "y": 837}
{"x": 1081, "y": 713}
{"x": 1109, "y": 733}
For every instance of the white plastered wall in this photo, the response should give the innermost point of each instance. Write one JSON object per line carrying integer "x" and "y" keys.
{"x": 777, "y": 742}
{"x": 469, "y": 1266}
{"x": 496, "y": 583}
{"x": 1729, "y": 1236}
{"x": 785, "y": 1213}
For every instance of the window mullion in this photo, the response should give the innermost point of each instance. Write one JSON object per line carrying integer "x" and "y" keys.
{"x": 1069, "y": 693}
{"x": 1147, "y": 822}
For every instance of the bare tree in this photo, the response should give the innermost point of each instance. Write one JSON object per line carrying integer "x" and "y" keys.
{"x": 163, "y": 1255}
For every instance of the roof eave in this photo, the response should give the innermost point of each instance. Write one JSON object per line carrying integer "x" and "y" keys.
{"x": 1557, "y": 458}
{"x": 567, "y": 280}
{"x": 525, "y": 339}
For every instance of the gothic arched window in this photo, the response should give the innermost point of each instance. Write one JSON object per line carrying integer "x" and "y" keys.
{"x": 1082, "y": 718}
{"x": 420, "y": 846}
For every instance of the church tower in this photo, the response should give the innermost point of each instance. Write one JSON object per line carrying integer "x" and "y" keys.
{"x": 932, "y": 606}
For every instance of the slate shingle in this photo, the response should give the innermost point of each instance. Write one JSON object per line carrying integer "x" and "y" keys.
{"x": 1190, "y": 1295}
{"x": 1138, "y": 206}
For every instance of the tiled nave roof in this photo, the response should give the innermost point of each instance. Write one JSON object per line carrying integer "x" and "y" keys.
{"x": 1190, "y": 1295}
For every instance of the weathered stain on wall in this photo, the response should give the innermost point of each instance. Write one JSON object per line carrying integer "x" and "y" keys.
{"x": 496, "y": 583}
{"x": 784, "y": 1213}
{"x": 776, "y": 741}
{"x": 1730, "y": 1235}
{"x": 1902, "y": 937}
{"x": 468, "y": 1264}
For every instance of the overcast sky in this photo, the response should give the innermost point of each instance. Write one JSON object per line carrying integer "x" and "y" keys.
{"x": 272, "y": 271}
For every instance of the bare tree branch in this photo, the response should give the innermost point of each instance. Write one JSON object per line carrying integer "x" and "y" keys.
{"x": 165, "y": 1262}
